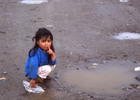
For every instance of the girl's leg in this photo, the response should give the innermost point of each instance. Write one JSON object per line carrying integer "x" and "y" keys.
{"x": 39, "y": 79}
{"x": 44, "y": 71}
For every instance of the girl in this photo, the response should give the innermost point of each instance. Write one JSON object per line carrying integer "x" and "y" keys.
{"x": 41, "y": 58}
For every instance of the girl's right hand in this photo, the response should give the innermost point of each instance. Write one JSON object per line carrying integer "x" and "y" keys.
{"x": 32, "y": 83}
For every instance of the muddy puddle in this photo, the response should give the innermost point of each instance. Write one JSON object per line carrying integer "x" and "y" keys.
{"x": 106, "y": 79}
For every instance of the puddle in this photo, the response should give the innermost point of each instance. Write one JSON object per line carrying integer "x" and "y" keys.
{"x": 33, "y": 1}
{"x": 123, "y": 0}
{"x": 127, "y": 35}
{"x": 106, "y": 79}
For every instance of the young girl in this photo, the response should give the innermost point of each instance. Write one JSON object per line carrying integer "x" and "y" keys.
{"x": 41, "y": 58}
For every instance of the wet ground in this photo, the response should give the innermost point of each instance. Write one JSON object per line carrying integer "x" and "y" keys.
{"x": 83, "y": 31}
{"x": 108, "y": 78}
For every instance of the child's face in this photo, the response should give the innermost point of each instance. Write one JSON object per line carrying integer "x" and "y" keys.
{"x": 44, "y": 43}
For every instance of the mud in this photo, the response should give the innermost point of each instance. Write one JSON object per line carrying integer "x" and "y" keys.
{"x": 81, "y": 29}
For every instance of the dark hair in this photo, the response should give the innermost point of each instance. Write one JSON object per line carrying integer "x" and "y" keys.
{"x": 42, "y": 32}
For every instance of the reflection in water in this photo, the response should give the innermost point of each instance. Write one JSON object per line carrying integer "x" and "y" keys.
{"x": 127, "y": 35}
{"x": 33, "y": 1}
{"x": 107, "y": 78}
{"x": 123, "y": 0}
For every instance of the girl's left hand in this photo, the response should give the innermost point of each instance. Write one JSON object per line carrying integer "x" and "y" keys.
{"x": 49, "y": 51}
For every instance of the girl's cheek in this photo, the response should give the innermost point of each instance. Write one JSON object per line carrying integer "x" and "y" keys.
{"x": 41, "y": 45}
{"x": 50, "y": 45}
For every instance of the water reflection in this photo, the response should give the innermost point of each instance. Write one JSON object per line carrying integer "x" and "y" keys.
{"x": 33, "y": 1}
{"x": 123, "y": 0}
{"x": 107, "y": 78}
{"x": 127, "y": 35}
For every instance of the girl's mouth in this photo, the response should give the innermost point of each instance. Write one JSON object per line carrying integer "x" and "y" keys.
{"x": 46, "y": 48}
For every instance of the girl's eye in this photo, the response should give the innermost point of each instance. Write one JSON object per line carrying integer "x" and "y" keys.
{"x": 49, "y": 40}
{"x": 44, "y": 41}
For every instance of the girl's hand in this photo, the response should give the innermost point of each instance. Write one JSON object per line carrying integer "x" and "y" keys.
{"x": 32, "y": 83}
{"x": 49, "y": 51}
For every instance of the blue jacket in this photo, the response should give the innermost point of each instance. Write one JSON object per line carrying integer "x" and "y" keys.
{"x": 39, "y": 59}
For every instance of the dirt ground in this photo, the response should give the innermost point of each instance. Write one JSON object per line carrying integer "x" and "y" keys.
{"x": 82, "y": 31}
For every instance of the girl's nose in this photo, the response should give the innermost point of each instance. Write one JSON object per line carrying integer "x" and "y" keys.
{"x": 46, "y": 44}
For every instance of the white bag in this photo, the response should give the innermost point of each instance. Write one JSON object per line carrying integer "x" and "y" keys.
{"x": 37, "y": 89}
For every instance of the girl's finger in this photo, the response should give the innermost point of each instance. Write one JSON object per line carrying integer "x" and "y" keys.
{"x": 32, "y": 85}
{"x": 48, "y": 47}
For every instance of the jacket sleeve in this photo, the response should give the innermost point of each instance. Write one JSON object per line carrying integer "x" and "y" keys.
{"x": 27, "y": 67}
{"x": 33, "y": 67}
{"x": 53, "y": 63}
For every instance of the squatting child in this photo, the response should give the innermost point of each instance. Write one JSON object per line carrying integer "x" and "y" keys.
{"x": 41, "y": 58}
